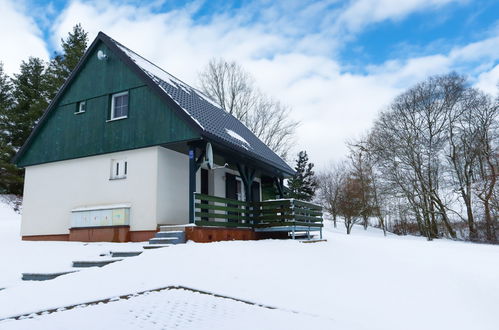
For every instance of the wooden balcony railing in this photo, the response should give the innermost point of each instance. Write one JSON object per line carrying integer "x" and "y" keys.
{"x": 274, "y": 215}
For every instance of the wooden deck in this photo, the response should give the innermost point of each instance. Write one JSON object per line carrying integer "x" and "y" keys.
{"x": 283, "y": 215}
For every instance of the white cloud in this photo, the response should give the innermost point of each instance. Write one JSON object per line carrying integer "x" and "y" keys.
{"x": 360, "y": 13}
{"x": 332, "y": 105}
{"x": 298, "y": 69}
{"x": 19, "y": 35}
{"x": 489, "y": 81}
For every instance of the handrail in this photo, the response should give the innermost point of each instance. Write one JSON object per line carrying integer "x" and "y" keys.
{"x": 225, "y": 212}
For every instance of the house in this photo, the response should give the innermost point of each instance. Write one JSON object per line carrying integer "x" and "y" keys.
{"x": 125, "y": 147}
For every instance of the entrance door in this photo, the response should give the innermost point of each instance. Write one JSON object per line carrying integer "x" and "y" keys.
{"x": 230, "y": 186}
{"x": 255, "y": 191}
{"x": 231, "y": 192}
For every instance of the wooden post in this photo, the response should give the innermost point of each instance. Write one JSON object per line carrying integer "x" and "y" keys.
{"x": 247, "y": 175}
{"x": 192, "y": 181}
{"x": 194, "y": 165}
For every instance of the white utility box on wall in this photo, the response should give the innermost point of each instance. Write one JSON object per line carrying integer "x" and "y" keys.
{"x": 101, "y": 216}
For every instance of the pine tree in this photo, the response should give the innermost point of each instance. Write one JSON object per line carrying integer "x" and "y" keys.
{"x": 30, "y": 100}
{"x": 10, "y": 176}
{"x": 303, "y": 184}
{"x": 62, "y": 64}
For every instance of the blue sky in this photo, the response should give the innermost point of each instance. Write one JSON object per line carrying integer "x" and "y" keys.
{"x": 335, "y": 63}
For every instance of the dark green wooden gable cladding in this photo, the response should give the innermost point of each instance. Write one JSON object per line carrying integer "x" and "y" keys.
{"x": 66, "y": 135}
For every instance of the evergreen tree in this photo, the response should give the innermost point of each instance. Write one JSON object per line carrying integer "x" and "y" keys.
{"x": 23, "y": 103}
{"x": 303, "y": 184}
{"x": 24, "y": 99}
{"x": 62, "y": 64}
{"x": 30, "y": 101}
{"x": 10, "y": 176}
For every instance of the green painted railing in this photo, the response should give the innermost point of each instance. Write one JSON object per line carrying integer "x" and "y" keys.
{"x": 273, "y": 215}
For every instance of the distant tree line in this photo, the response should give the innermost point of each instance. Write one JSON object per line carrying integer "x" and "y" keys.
{"x": 25, "y": 96}
{"x": 428, "y": 166}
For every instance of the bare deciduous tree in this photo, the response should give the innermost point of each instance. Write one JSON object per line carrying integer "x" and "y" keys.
{"x": 467, "y": 127}
{"x": 330, "y": 182}
{"x": 431, "y": 162}
{"x": 228, "y": 84}
{"x": 350, "y": 202}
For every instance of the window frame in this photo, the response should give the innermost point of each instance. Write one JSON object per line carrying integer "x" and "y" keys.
{"x": 113, "y": 96}
{"x": 78, "y": 107}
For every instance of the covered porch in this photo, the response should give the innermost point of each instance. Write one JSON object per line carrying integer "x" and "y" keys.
{"x": 243, "y": 197}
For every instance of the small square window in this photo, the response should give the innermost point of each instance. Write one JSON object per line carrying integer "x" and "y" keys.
{"x": 81, "y": 107}
{"x": 119, "y": 169}
{"x": 119, "y": 106}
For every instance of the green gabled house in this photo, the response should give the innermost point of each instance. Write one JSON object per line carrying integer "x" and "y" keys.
{"x": 125, "y": 148}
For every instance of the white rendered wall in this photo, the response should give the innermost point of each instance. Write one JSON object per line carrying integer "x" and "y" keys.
{"x": 173, "y": 187}
{"x": 156, "y": 187}
{"x": 52, "y": 190}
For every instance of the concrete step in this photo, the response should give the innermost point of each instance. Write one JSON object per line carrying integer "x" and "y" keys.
{"x": 44, "y": 276}
{"x": 155, "y": 246}
{"x": 172, "y": 228}
{"x": 166, "y": 240}
{"x": 125, "y": 254}
{"x": 93, "y": 263}
{"x": 178, "y": 234}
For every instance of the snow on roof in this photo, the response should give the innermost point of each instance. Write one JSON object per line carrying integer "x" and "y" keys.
{"x": 237, "y": 137}
{"x": 153, "y": 70}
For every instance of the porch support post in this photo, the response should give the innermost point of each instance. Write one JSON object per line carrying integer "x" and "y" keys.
{"x": 192, "y": 181}
{"x": 247, "y": 175}
{"x": 194, "y": 165}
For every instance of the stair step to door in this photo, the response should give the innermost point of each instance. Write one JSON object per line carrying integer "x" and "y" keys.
{"x": 123, "y": 254}
{"x": 44, "y": 276}
{"x": 172, "y": 228}
{"x": 166, "y": 240}
{"x": 93, "y": 263}
{"x": 179, "y": 234}
{"x": 155, "y": 246}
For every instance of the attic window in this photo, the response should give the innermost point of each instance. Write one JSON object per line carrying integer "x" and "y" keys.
{"x": 81, "y": 107}
{"x": 119, "y": 106}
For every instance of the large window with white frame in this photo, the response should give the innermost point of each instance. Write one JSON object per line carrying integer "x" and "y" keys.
{"x": 119, "y": 106}
{"x": 119, "y": 169}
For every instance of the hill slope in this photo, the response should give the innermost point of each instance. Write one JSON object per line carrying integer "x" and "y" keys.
{"x": 362, "y": 281}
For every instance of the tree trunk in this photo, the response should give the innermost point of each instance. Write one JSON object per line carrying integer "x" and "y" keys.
{"x": 490, "y": 230}
{"x": 473, "y": 235}
{"x": 365, "y": 221}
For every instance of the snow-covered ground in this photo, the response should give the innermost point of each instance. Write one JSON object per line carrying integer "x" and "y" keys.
{"x": 362, "y": 281}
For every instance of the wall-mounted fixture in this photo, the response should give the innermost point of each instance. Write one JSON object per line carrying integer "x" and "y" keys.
{"x": 101, "y": 55}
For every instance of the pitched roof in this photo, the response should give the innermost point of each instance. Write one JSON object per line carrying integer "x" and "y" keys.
{"x": 199, "y": 110}
{"x": 211, "y": 119}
